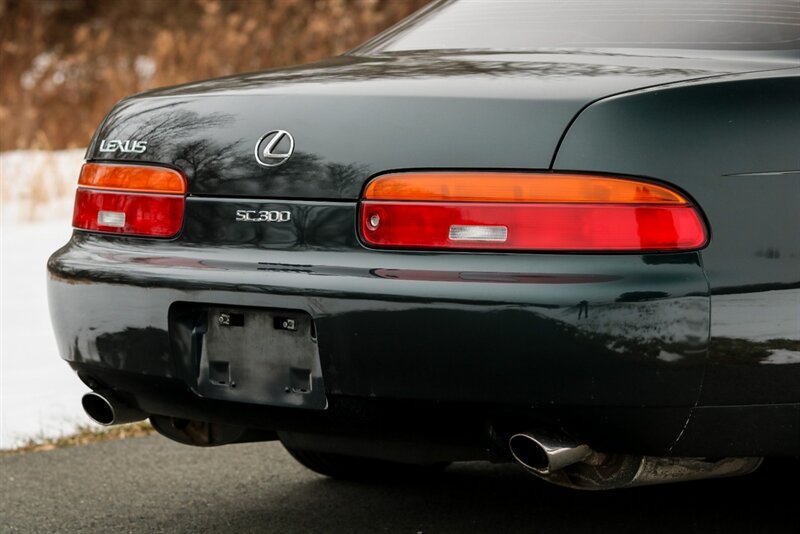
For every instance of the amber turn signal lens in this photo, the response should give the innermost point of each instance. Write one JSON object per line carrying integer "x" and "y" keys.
{"x": 517, "y": 187}
{"x": 133, "y": 178}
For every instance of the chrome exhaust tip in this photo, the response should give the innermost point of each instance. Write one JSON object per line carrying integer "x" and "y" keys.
{"x": 104, "y": 408}
{"x": 544, "y": 454}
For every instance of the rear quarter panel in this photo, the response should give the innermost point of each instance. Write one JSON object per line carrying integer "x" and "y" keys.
{"x": 733, "y": 144}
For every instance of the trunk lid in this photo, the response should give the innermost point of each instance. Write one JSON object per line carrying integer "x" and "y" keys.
{"x": 353, "y": 117}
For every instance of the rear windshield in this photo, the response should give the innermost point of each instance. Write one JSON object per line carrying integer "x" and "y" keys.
{"x": 537, "y": 24}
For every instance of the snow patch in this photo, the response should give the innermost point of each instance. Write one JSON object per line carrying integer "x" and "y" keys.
{"x": 38, "y": 185}
{"x": 39, "y": 393}
{"x": 758, "y": 316}
{"x": 782, "y": 357}
{"x": 669, "y": 357}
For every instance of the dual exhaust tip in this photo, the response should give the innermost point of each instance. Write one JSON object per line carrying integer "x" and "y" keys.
{"x": 546, "y": 454}
{"x": 104, "y": 408}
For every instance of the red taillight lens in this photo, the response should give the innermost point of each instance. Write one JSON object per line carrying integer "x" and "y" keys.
{"x": 136, "y": 200}
{"x": 519, "y": 211}
{"x": 124, "y": 213}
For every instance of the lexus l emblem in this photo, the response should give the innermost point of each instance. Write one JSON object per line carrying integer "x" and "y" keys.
{"x": 274, "y": 148}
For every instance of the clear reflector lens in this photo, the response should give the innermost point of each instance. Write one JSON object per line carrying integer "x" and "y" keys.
{"x": 111, "y": 218}
{"x": 478, "y": 233}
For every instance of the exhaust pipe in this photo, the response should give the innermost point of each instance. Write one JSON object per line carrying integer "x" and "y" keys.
{"x": 573, "y": 465}
{"x": 104, "y": 408}
{"x": 544, "y": 454}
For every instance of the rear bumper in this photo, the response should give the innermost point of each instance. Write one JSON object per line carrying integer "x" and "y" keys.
{"x": 485, "y": 334}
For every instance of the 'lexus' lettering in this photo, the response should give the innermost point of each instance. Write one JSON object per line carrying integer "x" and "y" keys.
{"x": 263, "y": 216}
{"x": 125, "y": 146}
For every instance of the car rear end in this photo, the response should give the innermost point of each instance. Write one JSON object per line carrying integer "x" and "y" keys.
{"x": 415, "y": 256}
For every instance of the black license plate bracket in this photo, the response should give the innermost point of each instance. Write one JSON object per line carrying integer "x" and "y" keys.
{"x": 258, "y": 356}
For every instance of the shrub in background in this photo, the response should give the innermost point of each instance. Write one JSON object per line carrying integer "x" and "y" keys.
{"x": 63, "y": 63}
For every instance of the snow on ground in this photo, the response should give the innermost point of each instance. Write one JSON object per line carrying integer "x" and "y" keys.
{"x": 758, "y": 316}
{"x": 38, "y": 185}
{"x": 39, "y": 393}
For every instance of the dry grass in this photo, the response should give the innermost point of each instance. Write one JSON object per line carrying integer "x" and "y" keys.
{"x": 63, "y": 64}
{"x": 83, "y": 436}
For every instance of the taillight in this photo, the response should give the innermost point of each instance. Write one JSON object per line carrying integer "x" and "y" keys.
{"x": 526, "y": 211}
{"x": 140, "y": 200}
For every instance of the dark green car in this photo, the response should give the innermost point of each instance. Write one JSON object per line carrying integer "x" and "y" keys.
{"x": 561, "y": 233}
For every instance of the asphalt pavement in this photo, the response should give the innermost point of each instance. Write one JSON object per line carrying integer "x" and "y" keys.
{"x": 152, "y": 485}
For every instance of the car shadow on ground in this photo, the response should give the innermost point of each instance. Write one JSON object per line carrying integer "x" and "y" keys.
{"x": 503, "y": 498}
